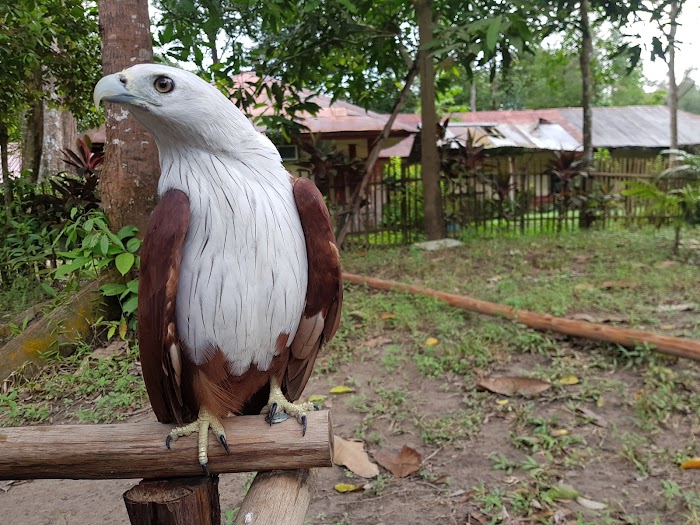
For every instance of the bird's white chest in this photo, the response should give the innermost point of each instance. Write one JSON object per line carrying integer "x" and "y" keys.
{"x": 244, "y": 270}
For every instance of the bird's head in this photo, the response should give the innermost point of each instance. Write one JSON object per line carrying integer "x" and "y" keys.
{"x": 179, "y": 108}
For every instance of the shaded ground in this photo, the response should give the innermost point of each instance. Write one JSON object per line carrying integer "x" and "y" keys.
{"x": 615, "y": 425}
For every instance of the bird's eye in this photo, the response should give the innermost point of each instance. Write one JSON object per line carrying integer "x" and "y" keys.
{"x": 164, "y": 84}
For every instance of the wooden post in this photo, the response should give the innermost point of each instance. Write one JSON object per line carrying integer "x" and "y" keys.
{"x": 180, "y": 501}
{"x": 137, "y": 450}
{"x": 277, "y": 498}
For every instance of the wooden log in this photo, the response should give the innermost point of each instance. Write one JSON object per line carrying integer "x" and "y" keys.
{"x": 277, "y": 498}
{"x": 137, "y": 450}
{"x": 180, "y": 501}
{"x": 66, "y": 325}
{"x": 678, "y": 346}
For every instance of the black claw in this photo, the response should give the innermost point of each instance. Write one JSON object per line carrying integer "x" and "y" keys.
{"x": 316, "y": 407}
{"x": 303, "y": 424}
{"x": 222, "y": 438}
{"x": 271, "y": 413}
{"x": 205, "y": 469}
{"x": 168, "y": 440}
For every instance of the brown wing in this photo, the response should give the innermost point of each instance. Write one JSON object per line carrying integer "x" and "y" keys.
{"x": 324, "y": 294}
{"x": 161, "y": 358}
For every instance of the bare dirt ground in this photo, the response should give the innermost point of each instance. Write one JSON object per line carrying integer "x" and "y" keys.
{"x": 602, "y": 445}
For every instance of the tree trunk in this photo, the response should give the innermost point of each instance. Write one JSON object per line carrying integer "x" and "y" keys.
{"x": 672, "y": 85}
{"x": 430, "y": 159}
{"x": 33, "y": 139}
{"x": 585, "y": 218}
{"x": 7, "y": 182}
{"x": 472, "y": 96}
{"x": 129, "y": 178}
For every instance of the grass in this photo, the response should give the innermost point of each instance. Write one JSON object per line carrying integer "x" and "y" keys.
{"x": 79, "y": 387}
{"x": 410, "y": 344}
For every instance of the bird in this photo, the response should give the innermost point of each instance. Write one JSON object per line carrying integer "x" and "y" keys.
{"x": 240, "y": 281}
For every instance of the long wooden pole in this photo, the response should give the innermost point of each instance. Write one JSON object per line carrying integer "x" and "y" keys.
{"x": 689, "y": 348}
{"x": 137, "y": 450}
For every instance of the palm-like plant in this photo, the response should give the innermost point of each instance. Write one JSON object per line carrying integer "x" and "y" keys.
{"x": 674, "y": 194}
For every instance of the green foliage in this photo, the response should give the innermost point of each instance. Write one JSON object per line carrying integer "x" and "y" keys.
{"x": 91, "y": 248}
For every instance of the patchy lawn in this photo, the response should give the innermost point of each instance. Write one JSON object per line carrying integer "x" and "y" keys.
{"x": 612, "y": 430}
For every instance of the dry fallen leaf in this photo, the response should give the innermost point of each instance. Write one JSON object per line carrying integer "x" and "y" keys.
{"x": 590, "y": 504}
{"x": 431, "y": 341}
{"x": 583, "y": 317}
{"x": 513, "y": 385}
{"x": 342, "y": 389}
{"x": 691, "y": 463}
{"x": 352, "y": 455}
{"x": 390, "y": 315}
{"x": 584, "y": 286}
{"x": 559, "y": 432}
{"x": 319, "y": 399}
{"x": 406, "y": 462}
{"x": 347, "y": 487}
{"x": 595, "y": 418}
{"x": 569, "y": 380}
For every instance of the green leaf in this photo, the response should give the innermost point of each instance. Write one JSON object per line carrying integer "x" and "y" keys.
{"x": 65, "y": 269}
{"x": 133, "y": 244}
{"x": 111, "y": 289}
{"x": 48, "y": 290}
{"x": 130, "y": 305}
{"x": 133, "y": 286}
{"x": 124, "y": 262}
{"x": 493, "y": 32}
{"x": 104, "y": 244}
{"x": 127, "y": 231}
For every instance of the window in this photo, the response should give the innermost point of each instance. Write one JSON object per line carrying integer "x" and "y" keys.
{"x": 288, "y": 152}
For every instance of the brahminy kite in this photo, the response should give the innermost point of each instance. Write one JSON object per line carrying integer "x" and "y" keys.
{"x": 240, "y": 281}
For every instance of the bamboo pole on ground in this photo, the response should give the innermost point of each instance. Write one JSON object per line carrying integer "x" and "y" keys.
{"x": 677, "y": 346}
{"x": 137, "y": 450}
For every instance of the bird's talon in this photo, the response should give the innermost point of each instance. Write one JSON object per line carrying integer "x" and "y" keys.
{"x": 303, "y": 424}
{"x": 222, "y": 438}
{"x": 315, "y": 406}
{"x": 271, "y": 414}
{"x": 168, "y": 440}
{"x": 205, "y": 469}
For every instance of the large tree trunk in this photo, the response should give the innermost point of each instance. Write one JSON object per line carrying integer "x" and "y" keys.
{"x": 33, "y": 139}
{"x": 585, "y": 218}
{"x": 672, "y": 85}
{"x": 430, "y": 159}
{"x": 129, "y": 178}
{"x": 7, "y": 182}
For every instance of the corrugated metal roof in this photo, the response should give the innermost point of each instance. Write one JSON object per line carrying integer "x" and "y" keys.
{"x": 542, "y": 135}
{"x": 636, "y": 126}
{"x": 613, "y": 127}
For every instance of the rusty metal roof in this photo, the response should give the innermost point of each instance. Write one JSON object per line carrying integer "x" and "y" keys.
{"x": 333, "y": 117}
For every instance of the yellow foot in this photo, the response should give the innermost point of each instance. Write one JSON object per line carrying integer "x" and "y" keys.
{"x": 205, "y": 421}
{"x": 278, "y": 407}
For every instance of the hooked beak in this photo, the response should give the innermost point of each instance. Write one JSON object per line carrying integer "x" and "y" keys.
{"x": 115, "y": 88}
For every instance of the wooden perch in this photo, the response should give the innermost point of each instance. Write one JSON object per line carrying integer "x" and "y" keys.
{"x": 689, "y": 348}
{"x": 137, "y": 450}
{"x": 276, "y": 497}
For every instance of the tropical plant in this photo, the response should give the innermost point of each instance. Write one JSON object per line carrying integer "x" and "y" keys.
{"x": 678, "y": 205}
{"x": 568, "y": 171}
